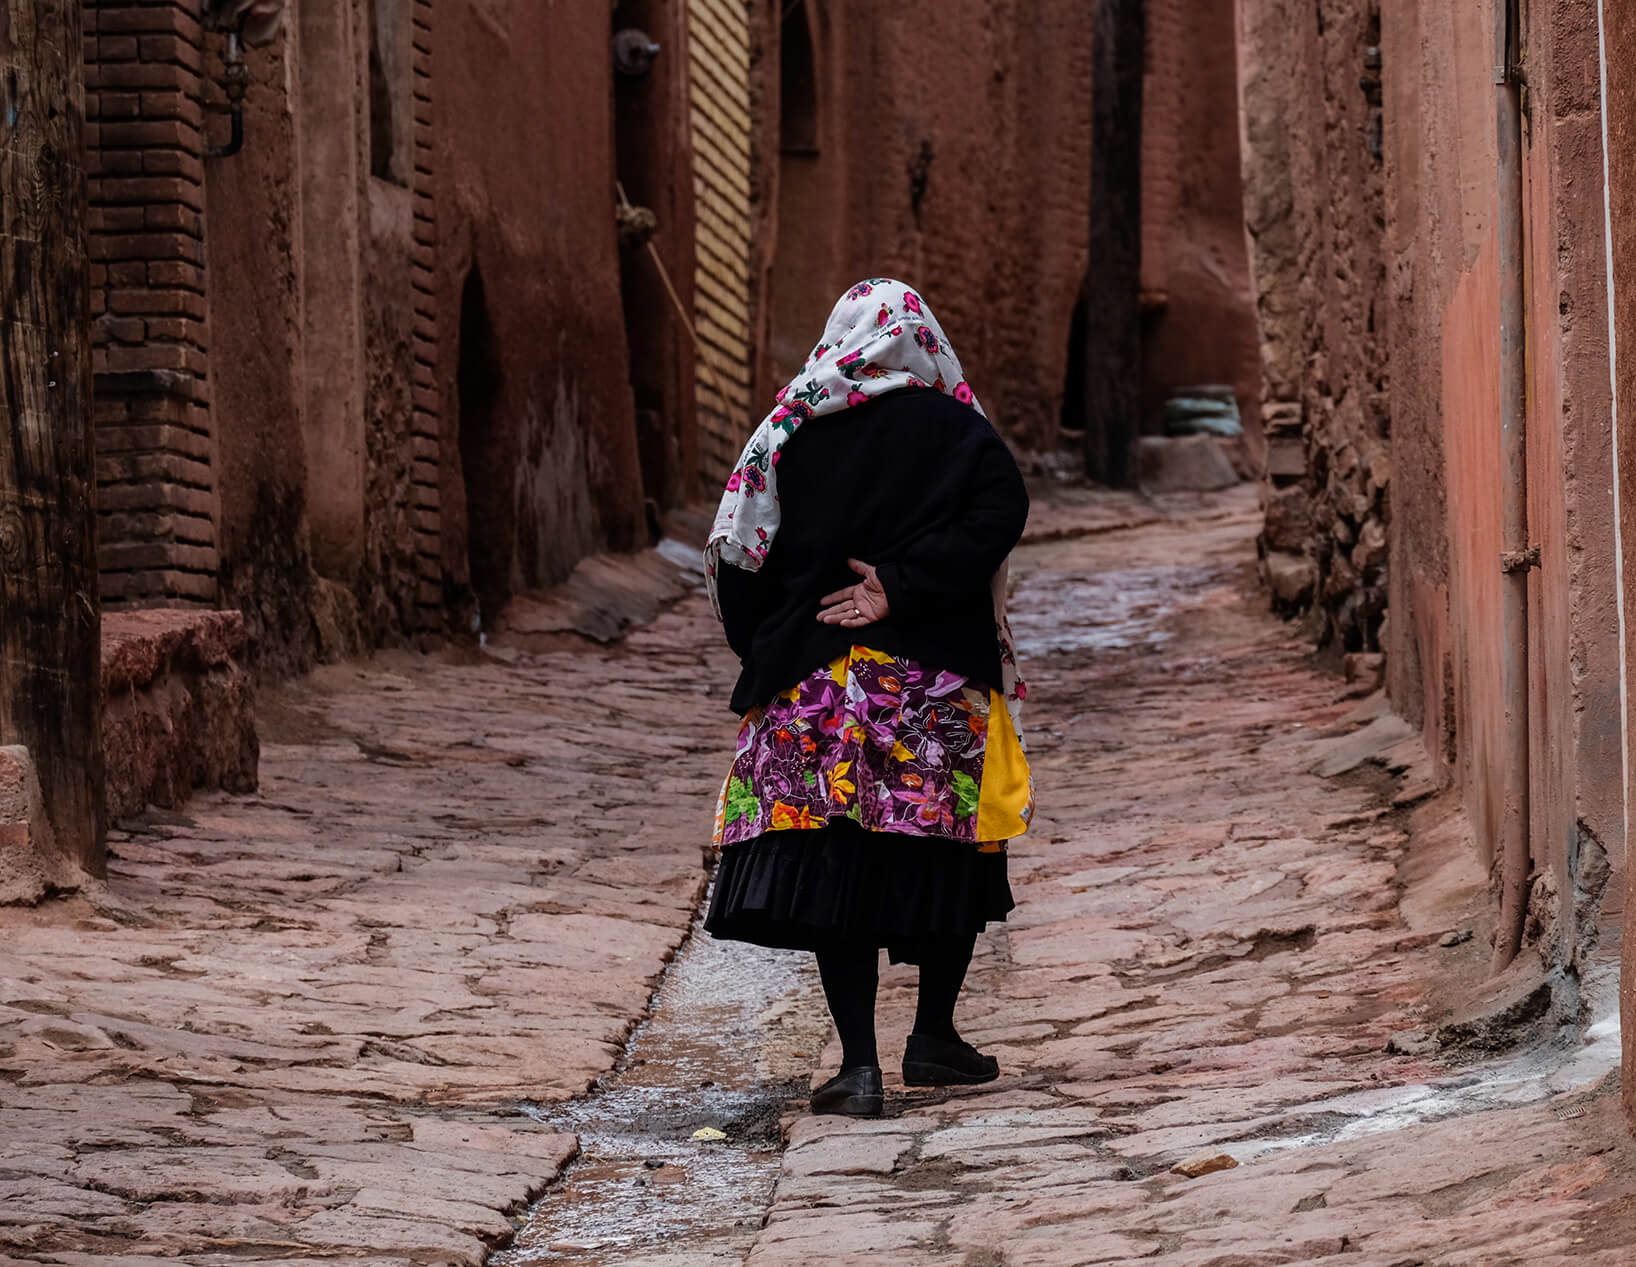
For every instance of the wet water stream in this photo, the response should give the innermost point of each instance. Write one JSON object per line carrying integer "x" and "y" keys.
{"x": 734, "y": 1034}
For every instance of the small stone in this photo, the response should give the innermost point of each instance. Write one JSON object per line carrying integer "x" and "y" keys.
{"x": 1341, "y": 579}
{"x": 1370, "y": 552}
{"x": 1291, "y": 576}
{"x": 1288, "y": 523}
{"x": 1178, "y": 464}
{"x": 1205, "y": 1163}
{"x": 1411, "y": 1043}
{"x": 1458, "y": 937}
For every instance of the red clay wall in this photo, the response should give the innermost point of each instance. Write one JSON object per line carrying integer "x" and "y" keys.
{"x": 975, "y": 191}
{"x": 1379, "y": 291}
{"x": 1201, "y": 324}
{"x": 1575, "y": 701}
{"x": 525, "y": 153}
{"x": 252, "y": 272}
{"x": 1445, "y": 640}
{"x": 1620, "y": 120}
{"x": 653, "y": 163}
{"x": 290, "y": 426}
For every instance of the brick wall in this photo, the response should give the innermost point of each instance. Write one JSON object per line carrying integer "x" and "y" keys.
{"x": 145, "y": 164}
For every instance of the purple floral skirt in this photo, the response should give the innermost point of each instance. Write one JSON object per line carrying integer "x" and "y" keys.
{"x": 870, "y": 804}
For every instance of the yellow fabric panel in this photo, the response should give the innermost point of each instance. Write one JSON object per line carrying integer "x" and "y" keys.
{"x": 1006, "y": 802}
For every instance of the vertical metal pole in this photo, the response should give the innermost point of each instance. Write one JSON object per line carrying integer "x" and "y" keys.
{"x": 1517, "y": 560}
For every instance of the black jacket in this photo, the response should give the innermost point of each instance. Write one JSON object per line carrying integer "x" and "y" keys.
{"x": 915, "y": 483}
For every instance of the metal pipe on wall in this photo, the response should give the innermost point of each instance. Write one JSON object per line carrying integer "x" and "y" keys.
{"x": 1516, "y": 559}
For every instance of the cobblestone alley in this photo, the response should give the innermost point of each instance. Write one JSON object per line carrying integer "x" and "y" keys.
{"x": 305, "y": 1026}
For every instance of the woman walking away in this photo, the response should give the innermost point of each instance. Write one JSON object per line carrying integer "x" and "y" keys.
{"x": 858, "y": 563}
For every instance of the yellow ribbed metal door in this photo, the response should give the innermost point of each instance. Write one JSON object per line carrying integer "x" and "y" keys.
{"x": 719, "y": 81}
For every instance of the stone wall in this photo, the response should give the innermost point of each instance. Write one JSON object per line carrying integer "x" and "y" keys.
{"x": 1313, "y": 188}
{"x": 1379, "y": 275}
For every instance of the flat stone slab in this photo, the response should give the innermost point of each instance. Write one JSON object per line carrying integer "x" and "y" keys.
{"x": 1193, "y": 1000}
{"x": 297, "y": 1023}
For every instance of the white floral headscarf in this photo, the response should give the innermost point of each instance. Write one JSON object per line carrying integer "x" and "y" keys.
{"x": 881, "y": 336}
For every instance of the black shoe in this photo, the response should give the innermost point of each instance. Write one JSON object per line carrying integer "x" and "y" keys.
{"x": 854, "y": 1092}
{"x": 938, "y": 1062}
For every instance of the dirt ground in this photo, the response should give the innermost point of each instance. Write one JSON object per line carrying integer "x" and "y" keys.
{"x": 399, "y": 1007}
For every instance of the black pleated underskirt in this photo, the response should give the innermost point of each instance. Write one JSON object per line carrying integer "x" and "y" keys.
{"x": 842, "y": 885}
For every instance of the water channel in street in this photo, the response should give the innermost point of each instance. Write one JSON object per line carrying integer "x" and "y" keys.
{"x": 679, "y": 1147}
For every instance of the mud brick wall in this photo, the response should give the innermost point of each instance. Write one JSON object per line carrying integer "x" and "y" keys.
{"x": 1197, "y": 293}
{"x": 145, "y": 167}
{"x": 1372, "y": 189}
{"x": 1446, "y": 645}
{"x": 974, "y": 186}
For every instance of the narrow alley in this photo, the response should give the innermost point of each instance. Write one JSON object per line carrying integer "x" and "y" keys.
{"x": 297, "y": 1027}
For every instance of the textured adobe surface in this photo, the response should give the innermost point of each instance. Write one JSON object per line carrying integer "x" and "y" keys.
{"x": 178, "y": 710}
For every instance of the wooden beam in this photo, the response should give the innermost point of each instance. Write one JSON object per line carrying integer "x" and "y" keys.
{"x": 50, "y": 621}
{"x": 1113, "y": 318}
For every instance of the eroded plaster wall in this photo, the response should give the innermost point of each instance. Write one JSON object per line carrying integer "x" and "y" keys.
{"x": 1618, "y": 61}
{"x": 1199, "y": 300}
{"x": 1380, "y": 295}
{"x": 540, "y": 462}
{"x": 955, "y": 155}
{"x": 416, "y": 385}
{"x": 1446, "y": 642}
{"x": 1574, "y": 631}
{"x": 252, "y": 281}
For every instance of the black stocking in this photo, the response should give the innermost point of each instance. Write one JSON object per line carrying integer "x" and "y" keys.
{"x": 850, "y": 975}
{"x": 942, "y": 973}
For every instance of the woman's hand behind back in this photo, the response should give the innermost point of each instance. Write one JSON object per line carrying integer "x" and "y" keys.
{"x": 857, "y": 605}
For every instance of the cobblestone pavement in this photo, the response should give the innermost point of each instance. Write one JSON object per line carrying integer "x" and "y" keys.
{"x": 298, "y": 1026}
{"x": 1212, "y": 948}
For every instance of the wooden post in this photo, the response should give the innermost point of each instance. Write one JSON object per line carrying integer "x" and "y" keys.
{"x": 1113, "y": 325}
{"x": 50, "y": 624}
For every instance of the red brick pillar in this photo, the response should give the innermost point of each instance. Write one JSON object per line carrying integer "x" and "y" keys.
{"x": 145, "y": 163}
